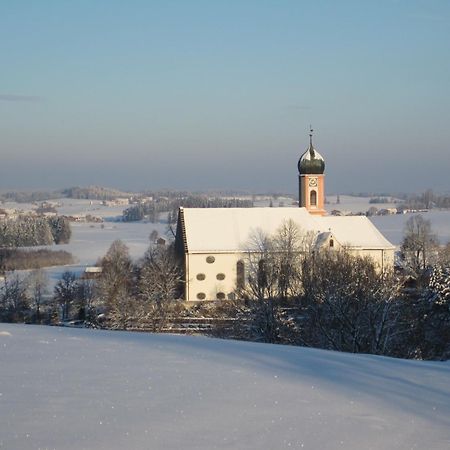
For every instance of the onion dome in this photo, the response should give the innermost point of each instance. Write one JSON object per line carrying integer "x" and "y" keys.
{"x": 311, "y": 162}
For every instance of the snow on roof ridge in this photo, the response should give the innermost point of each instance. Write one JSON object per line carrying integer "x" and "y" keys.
{"x": 229, "y": 229}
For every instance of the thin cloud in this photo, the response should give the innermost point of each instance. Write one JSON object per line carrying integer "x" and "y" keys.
{"x": 19, "y": 98}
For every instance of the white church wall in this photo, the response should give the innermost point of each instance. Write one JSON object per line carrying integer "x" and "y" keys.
{"x": 383, "y": 258}
{"x": 212, "y": 284}
{"x": 202, "y": 278}
{"x": 205, "y": 278}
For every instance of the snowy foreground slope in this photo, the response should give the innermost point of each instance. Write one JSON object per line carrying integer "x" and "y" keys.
{"x": 73, "y": 388}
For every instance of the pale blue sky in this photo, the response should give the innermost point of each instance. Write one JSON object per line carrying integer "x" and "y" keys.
{"x": 219, "y": 94}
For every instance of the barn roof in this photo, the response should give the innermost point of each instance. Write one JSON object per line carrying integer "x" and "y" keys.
{"x": 230, "y": 229}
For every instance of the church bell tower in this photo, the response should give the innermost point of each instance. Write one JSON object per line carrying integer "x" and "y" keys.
{"x": 311, "y": 168}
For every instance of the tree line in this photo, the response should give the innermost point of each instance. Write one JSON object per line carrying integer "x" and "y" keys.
{"x": 29, "y": 231}
{"x": 152, "y": 209}
{"x": 12, "y": 259}
{"x": 426, "y": 200}
{"x": 294, "y": 294}
{"x": 125, "y": 295}
{"x": 334, "y": 300}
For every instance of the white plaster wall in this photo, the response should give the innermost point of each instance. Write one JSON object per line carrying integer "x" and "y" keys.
{"x": 224, "y": 263}
{"x": 384, "y": 259}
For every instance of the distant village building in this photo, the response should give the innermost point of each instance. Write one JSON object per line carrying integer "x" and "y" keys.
{"x": 214, "y": 243}
{"x": 160, "y": 242}
{"x": 91, "y": 273}
{"x": 119, "y": 201}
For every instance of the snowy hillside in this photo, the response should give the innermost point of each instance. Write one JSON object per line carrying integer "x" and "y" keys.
{"x": 84, "y": 389}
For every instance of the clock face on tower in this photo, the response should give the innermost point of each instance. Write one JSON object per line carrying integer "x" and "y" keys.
{"x": 313, "y": 182}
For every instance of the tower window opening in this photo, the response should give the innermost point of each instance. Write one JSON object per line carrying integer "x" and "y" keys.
{"x": 313, "y": 198}
{"x": 331, "y": 243}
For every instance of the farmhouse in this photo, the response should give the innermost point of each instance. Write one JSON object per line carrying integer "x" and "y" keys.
{"x": 214, "y": 243}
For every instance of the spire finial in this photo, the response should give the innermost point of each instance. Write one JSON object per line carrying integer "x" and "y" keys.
{"x": 310, "y": 137}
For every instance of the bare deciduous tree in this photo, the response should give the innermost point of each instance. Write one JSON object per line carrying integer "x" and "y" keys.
{"x": 114, "y": 287}
{"x": 419, "y": 246}
{"x": 274, "y": 262}
{"x": 352, "y": 306}
{"x": 13, "y": 299}
{"x": 37, "y": 282}
{"x": 65, "y": 293}
{"x": 273, "y": 276}
{"x": 160, "y": 283}
{"x": 87, "y": 301}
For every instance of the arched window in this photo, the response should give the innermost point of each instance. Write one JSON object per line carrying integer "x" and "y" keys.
{"x": 240, "y": 274}
{"x": 262, "y": 274}
{"x": 313, "y": 198}
{"x": 331, "y": 243}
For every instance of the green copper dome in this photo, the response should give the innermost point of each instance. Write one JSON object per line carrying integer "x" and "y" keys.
{"x": 311, "y": 162}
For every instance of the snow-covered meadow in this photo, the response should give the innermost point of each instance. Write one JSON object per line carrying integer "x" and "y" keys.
{"x": 64, "y": 388}
{"x": 90, "y": 241}
{"x": 393, "y": 226}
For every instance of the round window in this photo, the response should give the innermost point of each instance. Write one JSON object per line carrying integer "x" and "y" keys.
{"x": 220, "y": 276}
{"x": 210, "y": 259}
{"x": 201, "y": 276}
{"x": 201, "y": 296}
{"x": 220, "y": 296}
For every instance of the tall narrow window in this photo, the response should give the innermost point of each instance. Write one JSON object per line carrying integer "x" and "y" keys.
{"x": 262, "y": 274}
{"x": 313, "y": 198}
{"x": 240, "y": 274}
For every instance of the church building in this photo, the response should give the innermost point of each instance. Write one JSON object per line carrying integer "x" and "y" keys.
{"x": 214, "y": 242}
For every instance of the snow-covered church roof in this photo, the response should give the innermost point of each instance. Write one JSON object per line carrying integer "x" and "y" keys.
{"x": 230, "y": 229}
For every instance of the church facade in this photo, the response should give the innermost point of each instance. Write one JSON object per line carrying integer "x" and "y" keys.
{"x": 214, "y": 243}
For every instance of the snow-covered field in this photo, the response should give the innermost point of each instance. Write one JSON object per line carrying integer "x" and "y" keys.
{"x": 66, "y": 388}
{"x": 90, "y": 241}
{"x": 393, "y": 226}
{"x": 349, "y": 203}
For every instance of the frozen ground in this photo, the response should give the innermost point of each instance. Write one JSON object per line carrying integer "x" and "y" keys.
{"x": 349, "y": 203}
{"x": 91, "y": 241}
{"x": 66, "y": 388}
{"x": 392, "y": 226}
